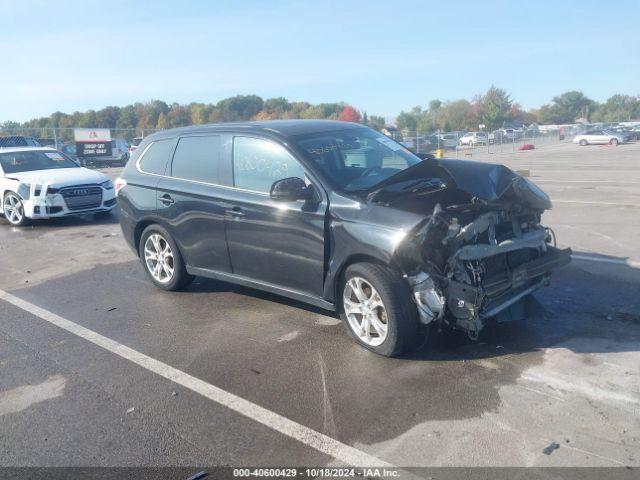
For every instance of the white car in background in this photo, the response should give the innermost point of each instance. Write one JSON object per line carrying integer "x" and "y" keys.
{"x": 38, "y": 183}
{"x": 473, "y": 138}
{"x": 598, "y": 137}
{"x": 508, "y": 133}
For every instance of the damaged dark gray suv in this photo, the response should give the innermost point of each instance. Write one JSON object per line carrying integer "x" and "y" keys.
{"x": 339, "y": 216}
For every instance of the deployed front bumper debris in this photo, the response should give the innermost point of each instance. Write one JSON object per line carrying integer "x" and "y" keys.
{"x": 484, "y": 268}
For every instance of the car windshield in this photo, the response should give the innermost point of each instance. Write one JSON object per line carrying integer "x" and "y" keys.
{"x": 356, "y": 159}
{"x": 26, "y": 161}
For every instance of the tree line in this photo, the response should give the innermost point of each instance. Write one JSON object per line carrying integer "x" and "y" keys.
{"x": 494, "y": 108}
{"x": 156, "y": 114}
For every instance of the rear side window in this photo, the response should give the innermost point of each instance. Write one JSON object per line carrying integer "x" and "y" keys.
{"x": 197, "y": 158}
{"x": 258, "y": 163}
{"x": 155, "y": 158}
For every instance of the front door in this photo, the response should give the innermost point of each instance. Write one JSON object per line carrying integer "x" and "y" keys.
{"x": 278, "y": 243}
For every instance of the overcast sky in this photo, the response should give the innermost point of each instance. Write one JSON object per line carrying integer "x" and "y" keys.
{"x": 380, "y": 56}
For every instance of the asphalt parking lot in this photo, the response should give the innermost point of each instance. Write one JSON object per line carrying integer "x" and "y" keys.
{"x": 570, "y": 374}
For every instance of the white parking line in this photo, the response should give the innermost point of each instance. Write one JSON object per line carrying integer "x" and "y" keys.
{"x": 609, "y": 204}
{"x": 616, "y": 261}
{"x": 316, "y": 440}
{"x": 599, "y": 182}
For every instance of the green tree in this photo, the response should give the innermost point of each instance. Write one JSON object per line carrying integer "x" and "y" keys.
{"x": 567, "y": 108}
{"x": 376, "y": 122}
{"x": 406, "y": 121}
{"x": 494, "y": 108}
{"x": 107, "y": 117}
{"x": 618, "y": 108}
{"x": 457, "y": 115}
{"x": 240, "y": 107}
{"x": 127, "y": 118}
{"x": 178, "y": 116}
{"x": 87, "y": 119}
{"x": 278, "y": 106}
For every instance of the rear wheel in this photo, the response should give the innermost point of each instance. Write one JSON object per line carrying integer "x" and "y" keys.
{"x": 583, "y": 142}
{"x": 377, "y": 310}
{"x": 614, "y": 142}
{"x": 161, "y": 259}
{"x": 13, "y": 209}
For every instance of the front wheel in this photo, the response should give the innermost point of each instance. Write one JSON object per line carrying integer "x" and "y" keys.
{"x": 13, "y": 210}
{"x": 377, "y": 311}
{"x": 614, "y": 142}
{"x": 583, "y": 142}
{"x": 161, "y": 259}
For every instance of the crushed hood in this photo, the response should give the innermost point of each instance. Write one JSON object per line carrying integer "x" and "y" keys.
{"x": 487, "y": 182}
{"x": 59, "y": 177}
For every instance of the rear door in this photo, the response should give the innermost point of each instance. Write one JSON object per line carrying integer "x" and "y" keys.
{"x": 278, "y": 243}
{"x": 191, "y": 201}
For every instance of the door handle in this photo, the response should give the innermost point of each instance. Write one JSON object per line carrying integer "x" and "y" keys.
{"x": 235, "y": 212}
{"x": 166, "y": 199}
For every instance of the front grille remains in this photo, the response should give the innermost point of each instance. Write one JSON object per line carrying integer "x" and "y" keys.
{"x": 82, "y": 197}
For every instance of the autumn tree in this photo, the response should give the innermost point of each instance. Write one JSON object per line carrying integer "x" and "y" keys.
{"x": 349, "y": 114}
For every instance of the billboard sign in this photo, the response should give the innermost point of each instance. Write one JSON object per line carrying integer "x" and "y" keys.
{"x": 92, "y": 142}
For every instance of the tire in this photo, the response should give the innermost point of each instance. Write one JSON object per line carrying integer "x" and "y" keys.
{"x": 13, "y": 209}
{"x": 583, "y": 142}
{"x": 179, "y": 277}
{"x": 403, "y": 329}
{"x": 614, "y": 142}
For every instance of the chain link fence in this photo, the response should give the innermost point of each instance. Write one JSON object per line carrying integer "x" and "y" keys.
{"x": 461, "y": 143}
{"x": 60, "y": 137}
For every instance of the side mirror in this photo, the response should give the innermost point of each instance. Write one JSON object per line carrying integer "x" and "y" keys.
{"x": 291, "y": 189}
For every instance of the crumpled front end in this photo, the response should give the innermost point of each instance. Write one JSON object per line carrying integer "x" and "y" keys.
{"x": 478, "y": 259}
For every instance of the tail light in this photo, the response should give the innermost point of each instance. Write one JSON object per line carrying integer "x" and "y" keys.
{"x": 119, "y": 184}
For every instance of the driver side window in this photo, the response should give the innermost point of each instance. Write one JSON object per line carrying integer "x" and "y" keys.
{"x": 257, "y": 163}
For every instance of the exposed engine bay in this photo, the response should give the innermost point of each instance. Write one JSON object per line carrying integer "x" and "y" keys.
{"x": 482, "y": 250}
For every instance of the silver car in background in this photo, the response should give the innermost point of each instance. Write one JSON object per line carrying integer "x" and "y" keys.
{"x": 598, "y": 137}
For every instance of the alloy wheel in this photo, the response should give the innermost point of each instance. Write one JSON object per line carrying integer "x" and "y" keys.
{"x": 158, "y": 257}
{"x": 13, "y": 209}
{"x": 365, "y": 311}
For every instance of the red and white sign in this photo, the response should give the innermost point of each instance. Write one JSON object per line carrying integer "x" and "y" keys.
{"x": 91, "y": 135}
{"x": 93, "y": 142}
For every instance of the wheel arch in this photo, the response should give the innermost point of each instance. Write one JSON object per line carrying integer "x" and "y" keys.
{"x": 338, "y": 276}
{"x": 141, "y": 226}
